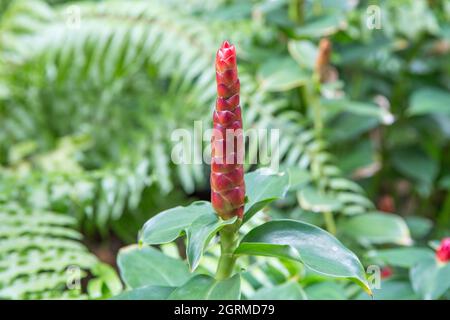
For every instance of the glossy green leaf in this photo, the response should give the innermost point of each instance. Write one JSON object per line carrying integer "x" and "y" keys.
{"x": 203, "y": 287}
{"x": 146, "y": 293}
{"x": 200, "y": 233}
{"x": 147, "y": 266}
{"x": 316, "y": 248}
{"x": 430, "y": 100}
{"x": 170, "y": 224}
{"x": 312, "y": 200}
{"x": 262, "y": 187}
{"x": 287, "y": 291}
{"x": 198, "y": 221}
{"x": 430, "y": 278}
{"x": 403, "y": 257}
{"x": 376, "y": 228}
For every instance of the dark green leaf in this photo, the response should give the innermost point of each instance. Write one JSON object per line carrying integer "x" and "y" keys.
{"x": 430, "y": 100}
{"x": 415, "y": 164}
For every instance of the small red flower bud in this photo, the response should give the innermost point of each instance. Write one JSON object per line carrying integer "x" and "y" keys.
{"x": 323, "y": 59}
{"x": 227, "y": 172}
{"x": 386, "y": 272}
{"x": 443, "y": 251}
{"x": 386, "y": 204}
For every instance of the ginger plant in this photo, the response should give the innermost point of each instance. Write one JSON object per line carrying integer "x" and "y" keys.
{"x": 235, "y": 199}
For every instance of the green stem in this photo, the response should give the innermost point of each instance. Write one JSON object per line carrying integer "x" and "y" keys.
{"x": 318, "y": 129}
{"x": 329, "y": 222}
{"x": 228, "y": 243}
{"x": 296, "y": 11}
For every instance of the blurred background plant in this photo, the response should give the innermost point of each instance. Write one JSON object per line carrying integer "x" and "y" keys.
{"x": 91, "y": 90}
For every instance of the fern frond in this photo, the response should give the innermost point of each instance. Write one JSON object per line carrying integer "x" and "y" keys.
{"x": 36, "y": 250}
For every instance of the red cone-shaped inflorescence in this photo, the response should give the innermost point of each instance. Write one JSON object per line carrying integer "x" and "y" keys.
{"x": 227, "y": 173}
{"x": 443, "y": 252}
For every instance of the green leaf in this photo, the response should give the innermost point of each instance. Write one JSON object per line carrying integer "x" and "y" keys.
{"x": 403, "y": 257}
{"x": 348, "y": 126}
{"x": 418, "y": 226}
{"x": 170, "y": 224}
{"x": 298, "y": 178}
{"x": 314, "y": 247}
{"x": 310, "y": 199}
{"x": 146, "y": 293}
{"x": 198, "y": 221}
{"x": 392, "y": 290}
{"x": 286, "y": 291}
{"x": 262, "y": 187}
{"x": 415, "y": 164}
{"x": 282, "y": 75}
{"x": 430, "y": 100}
{"x": 362, "y": 109}
{"x": 430, "y": 279}
{"x": 304, "y": 52}
{"x": 376, "y": 228}
{"x": 200, "y": 233}
{"x": 106, "y": 279}
{"x": 327, "y": 291}
{"x": 147, "y": 266}
{"x": 203, "y": 287}
{"x": 322, "y": 26}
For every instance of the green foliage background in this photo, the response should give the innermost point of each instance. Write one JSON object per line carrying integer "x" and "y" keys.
{"x": 86, "y": 112}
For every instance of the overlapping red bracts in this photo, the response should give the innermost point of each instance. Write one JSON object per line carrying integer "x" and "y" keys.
{"x": 227, "y": 173}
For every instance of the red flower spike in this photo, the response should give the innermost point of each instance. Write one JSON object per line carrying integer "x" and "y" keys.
{"x": 443, "y": 251}
{"x": 227, "y": 145}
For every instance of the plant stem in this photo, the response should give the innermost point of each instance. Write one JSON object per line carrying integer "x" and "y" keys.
{"x": 318, "y": 129}
{"x": 329, "y": 222}
{"x": 228, "y": 243}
